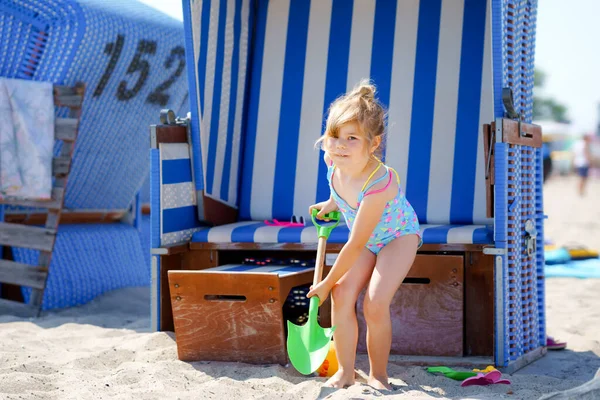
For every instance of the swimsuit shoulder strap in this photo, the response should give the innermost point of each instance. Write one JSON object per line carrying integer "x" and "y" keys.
{"x": 370, "y": 176}
{"x": 388, "y": 176}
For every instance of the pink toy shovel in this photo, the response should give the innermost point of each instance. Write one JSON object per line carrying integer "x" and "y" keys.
{"x": 487, "y": 379}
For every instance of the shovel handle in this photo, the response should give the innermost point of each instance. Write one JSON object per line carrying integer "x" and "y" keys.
{"x": 323, "y": 231}
{"x": 320, "y": 260}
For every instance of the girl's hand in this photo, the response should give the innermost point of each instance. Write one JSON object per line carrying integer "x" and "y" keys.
{"x": 324, "y": 207}
{"x": 321, "y": 291}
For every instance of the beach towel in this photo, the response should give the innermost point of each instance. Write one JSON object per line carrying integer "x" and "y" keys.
{"x": 26, "y": 139}
{"x": 574, "y": 269}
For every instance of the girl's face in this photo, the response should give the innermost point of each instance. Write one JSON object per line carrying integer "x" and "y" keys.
{"x": 350, "y": 146}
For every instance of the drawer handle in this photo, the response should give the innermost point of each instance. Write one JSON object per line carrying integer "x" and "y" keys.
{"x": 417, "y": 281}
{"x": 224, "y": 297}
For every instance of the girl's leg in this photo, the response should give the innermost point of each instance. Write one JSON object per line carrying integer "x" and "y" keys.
{"x": 393, "y": 263}
{"x": 343, "y": 296}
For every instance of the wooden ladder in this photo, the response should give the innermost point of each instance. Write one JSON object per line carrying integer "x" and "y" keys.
{"x": 41, "y": 238}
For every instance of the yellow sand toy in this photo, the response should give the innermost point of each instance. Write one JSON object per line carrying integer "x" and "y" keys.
{"x": 330, "y": 365}
{"x": 581, "y": 253}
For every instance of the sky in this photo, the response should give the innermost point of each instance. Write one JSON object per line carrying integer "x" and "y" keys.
{"x": 567, "y": 50}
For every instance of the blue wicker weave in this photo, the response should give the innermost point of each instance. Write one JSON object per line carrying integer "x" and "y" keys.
{"x": 520, "y": 316}
{"x": 539, "y": 181}
{"x": 88, "y": 262}
{"x": 131, "y": 58}
{"x": 540, "y": 261}
{"x": 146, "y": 239}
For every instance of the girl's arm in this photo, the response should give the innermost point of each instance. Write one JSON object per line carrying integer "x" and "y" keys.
{"x": 367, "y": 218}
{"x": 324, "y": 207}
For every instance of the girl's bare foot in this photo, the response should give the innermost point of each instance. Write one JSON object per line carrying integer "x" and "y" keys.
{"x": 379, "y": 383}
{"x": 341, "y": 379}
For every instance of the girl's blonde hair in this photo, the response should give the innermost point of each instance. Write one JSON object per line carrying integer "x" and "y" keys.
{"x": 360, "y": 106}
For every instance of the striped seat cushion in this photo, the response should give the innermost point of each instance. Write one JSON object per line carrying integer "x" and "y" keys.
{"x": 259, "y": 232}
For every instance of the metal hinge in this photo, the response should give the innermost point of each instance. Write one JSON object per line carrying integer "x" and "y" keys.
{"x": 530, "y": 237}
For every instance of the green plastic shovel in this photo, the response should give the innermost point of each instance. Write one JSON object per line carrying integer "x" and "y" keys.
{"x": 452, "y": 374}
{"x": 308, "y": 344}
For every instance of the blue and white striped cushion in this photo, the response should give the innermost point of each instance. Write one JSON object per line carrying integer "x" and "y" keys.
{"x": 178, "y": 216}
{"x": 259, "y": 232}
{"x": 438, "y": 88}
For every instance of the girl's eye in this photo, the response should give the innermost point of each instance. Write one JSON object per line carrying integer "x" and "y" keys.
{"x": 352, "y": 137}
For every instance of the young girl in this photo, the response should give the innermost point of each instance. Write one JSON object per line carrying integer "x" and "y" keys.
{"x": 384, "y": 232}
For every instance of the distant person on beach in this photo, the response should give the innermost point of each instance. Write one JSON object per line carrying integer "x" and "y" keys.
{"x": 582, "y": 159}
{"x": 547, "y": 159}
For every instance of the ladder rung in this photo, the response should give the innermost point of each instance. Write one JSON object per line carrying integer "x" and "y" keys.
{"x": 71, "y": 101}
{"x": 23, "y": 274}
{"x": 53, "y": 204}
{"x": 60, "y": 165}
{"x": 29, "y": 237}
{"x": 68, "y": 96}
{"x": 64, "y": 90}
{"x": 16, "y": 308}
{"x": 66, "y": 129}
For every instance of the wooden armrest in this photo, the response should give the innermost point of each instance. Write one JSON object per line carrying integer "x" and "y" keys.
{"x": 171, "y": 249}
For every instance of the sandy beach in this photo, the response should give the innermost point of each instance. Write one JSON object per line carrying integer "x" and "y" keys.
{"x": 105, "y": 349}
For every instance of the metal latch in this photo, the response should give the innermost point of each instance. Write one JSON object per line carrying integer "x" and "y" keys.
{"x": 509, "y": 106}
{"x": 530, "y": 237}
{"x": 494, "y": 251}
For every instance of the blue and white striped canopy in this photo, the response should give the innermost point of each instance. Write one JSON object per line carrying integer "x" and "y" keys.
{"x": 259, "y": 102}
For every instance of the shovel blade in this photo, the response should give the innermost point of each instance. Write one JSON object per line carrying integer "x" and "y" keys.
{"x": 308, "y": 345}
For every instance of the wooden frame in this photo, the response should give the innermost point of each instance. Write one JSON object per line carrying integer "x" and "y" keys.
{"x": 68, "y": 217}
{"x": 490, "y": 181}
{"x": 474, "y": 290}
{"x": 516, "y": 132}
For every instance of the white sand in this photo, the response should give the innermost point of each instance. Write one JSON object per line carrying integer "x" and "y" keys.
{"x": 104, "y": 350}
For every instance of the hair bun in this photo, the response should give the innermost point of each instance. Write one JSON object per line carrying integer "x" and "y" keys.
{"x": 365, "y": 89}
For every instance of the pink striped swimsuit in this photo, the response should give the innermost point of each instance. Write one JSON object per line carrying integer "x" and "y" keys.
{"x": 398, "y": 218}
